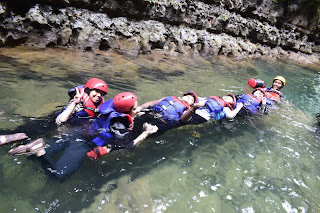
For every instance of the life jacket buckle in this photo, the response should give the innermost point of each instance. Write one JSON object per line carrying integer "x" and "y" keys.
{"x": 164, "y": 107}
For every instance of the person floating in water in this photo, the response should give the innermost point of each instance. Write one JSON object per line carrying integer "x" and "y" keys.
{"x": 156, "y": 117}
{"x": 165, "y": 113}
{"x": 253, "y": 103}
{"x": 84, "y": 102}
{"x": 82, "y": 106}
{"x": 273, "y": 93}
{"x": 214, "y": 108}
{"x": 112, "y": 129}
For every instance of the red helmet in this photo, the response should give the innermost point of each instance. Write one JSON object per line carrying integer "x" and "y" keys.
{"x": 96, "y": 83}
{"x": 124, "y": 101}
{"x": 190, "y": 92}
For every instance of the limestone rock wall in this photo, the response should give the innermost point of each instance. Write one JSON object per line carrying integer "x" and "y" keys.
{"x": 239, "y": 28}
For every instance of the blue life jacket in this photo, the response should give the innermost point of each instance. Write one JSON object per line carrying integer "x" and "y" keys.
{"x": 171, "y": 108}
{"x": 101, "y": 126}
{"x": 250, "y": 102}
{"x": 214, "y": 105}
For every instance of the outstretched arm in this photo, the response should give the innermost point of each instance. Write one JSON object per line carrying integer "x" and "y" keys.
{"x": 148, "y": 130}
{"x": 148, "y": 104}
{"x": 230, "y": 114}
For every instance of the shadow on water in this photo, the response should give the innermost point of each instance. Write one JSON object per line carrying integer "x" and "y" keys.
{"x": 32, "y": 126}
{"x": 157, "y": 74}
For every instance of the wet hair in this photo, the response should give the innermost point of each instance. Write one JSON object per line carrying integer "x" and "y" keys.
{"x": 87, "y": 90}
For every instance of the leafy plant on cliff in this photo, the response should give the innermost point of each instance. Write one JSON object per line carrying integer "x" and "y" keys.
{"x": 224, "y": 17}
{"x": 176, "y": 4}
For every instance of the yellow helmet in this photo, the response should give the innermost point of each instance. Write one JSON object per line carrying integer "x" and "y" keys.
{"x": 282, "y": 79}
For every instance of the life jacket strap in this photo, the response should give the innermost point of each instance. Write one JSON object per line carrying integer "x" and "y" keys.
{"x": 92, "y": 109}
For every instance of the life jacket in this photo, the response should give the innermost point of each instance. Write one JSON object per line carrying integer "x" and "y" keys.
{"x": 215, "y": 105}
{"x": 90, "y": 109}
{"x": 250, "y": 102}
{"x": 171, "y": 108}
{"x": 101, "y": 126}
{"x": 273, "y": 95}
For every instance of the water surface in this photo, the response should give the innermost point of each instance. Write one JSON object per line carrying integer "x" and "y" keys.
{"x": 265, "y": 164}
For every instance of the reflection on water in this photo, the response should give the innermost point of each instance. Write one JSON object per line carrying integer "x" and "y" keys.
{"x": 266, "y": 164}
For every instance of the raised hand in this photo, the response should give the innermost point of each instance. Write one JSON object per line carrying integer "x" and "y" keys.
{"x": 78, "y": 97}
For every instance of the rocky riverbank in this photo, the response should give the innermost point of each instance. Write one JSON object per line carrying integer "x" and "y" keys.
{"x": 234, "y": 28}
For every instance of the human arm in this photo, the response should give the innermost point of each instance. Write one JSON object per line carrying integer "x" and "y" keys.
{"x": 148, "y": 104}
{"x": 148, "y": 130}
{"x": 187, "y": 114}
{"x": 230, "y": 114}
{"x": 70, "y": 108}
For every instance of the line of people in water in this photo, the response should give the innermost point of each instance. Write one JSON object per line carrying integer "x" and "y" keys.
{"x": 99, "y": 127}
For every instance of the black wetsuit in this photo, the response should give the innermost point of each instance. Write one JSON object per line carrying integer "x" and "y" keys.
{"x": 153, "y": 118}
{"x": 76, "y": 144}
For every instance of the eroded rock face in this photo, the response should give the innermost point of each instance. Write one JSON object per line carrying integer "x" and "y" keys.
{"x": 239, "y": 28}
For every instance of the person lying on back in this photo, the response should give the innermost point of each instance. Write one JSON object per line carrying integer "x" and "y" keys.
{"x": 213, "y": 108}
{"x": 253, "y": 103}
{"x": 165, "y": 113}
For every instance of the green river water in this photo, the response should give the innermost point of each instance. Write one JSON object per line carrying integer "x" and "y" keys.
{"x": 266, "y": 164}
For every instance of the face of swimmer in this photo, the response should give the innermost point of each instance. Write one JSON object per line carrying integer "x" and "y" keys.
{"x": 258, "y": 94}
{"x": 228, "y": 99}
{"x": 96, "y": 95}
{"x": 277, "y": 84}
{"x": 133, "y": 110}
{"x": 188, "y": 99}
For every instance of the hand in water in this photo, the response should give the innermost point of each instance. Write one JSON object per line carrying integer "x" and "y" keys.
{"x": 150, "y": 129}
{"x": 78, "y": 97}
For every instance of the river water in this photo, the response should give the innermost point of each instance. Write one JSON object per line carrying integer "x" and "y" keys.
{"x": 268, "y": 163}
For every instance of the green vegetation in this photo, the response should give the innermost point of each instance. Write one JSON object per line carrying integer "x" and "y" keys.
{"x": 225, "y": 17}
{"x": 176, "y": 4}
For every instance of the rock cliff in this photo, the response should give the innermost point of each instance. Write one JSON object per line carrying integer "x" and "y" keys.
{"x": 239, "y": 28}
